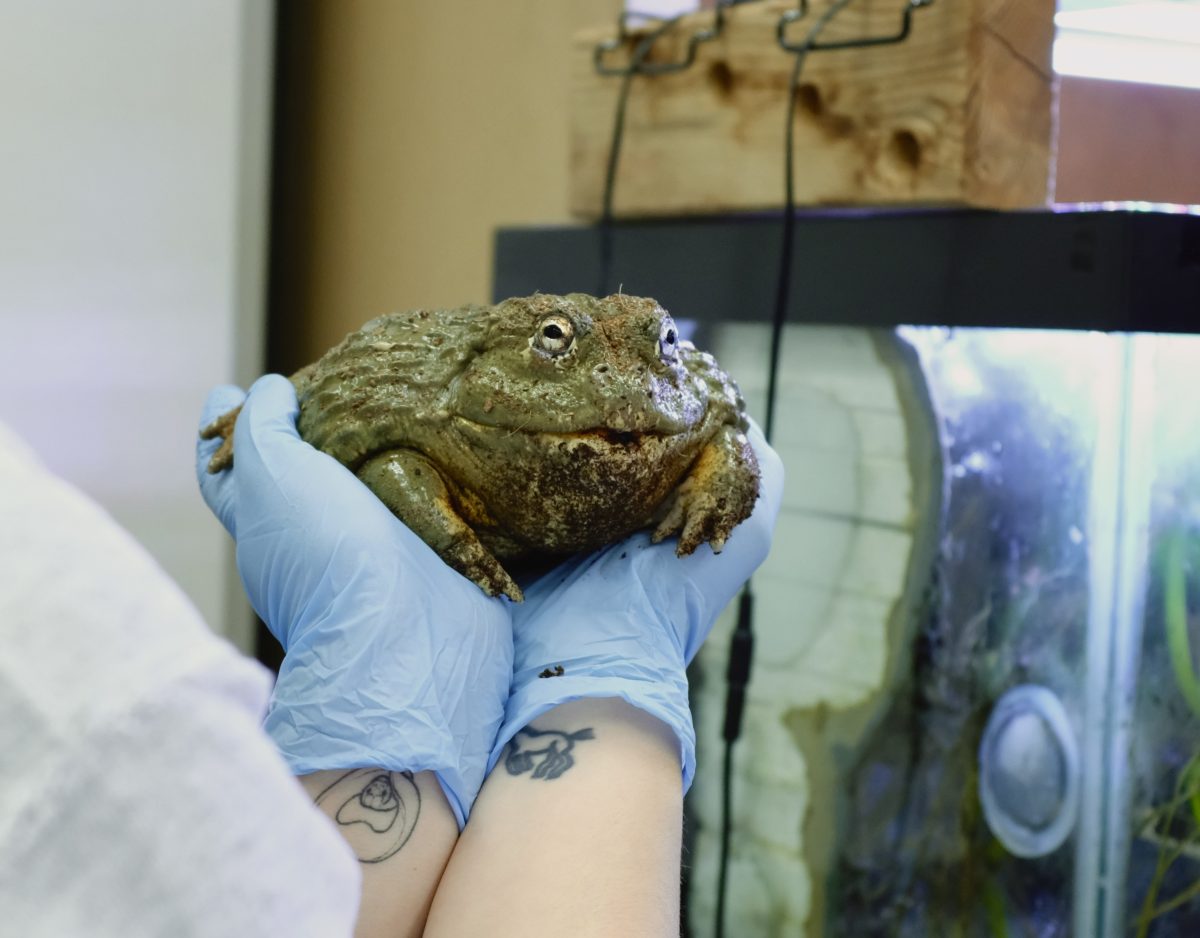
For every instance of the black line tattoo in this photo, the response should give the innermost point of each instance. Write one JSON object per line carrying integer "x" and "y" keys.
{"x": 377, "y": 811}
{"x": 553, "y": 746}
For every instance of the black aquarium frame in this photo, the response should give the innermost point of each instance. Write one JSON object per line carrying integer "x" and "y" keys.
{"x": 1071, "y": 267}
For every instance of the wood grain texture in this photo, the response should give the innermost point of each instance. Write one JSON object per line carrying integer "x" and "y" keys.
{"x": 961, "y": 112}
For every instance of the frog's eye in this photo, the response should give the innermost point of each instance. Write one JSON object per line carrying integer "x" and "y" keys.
{"x": 668, "y": 340}
{"x": 555, "y": 335}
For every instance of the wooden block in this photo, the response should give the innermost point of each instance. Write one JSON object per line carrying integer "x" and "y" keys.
{"x": 961, "y": 112}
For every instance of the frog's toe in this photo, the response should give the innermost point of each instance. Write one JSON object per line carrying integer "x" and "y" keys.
{"x": 672, "y": 523}
{"x": 512, "y": 591}
{"x": 497, "y": 582}
{"x": 477, "y": 564}
{"x": 223, "y": 457}
{"x": 698, "y": 517}
{"x": 708, "y": 522}
{"x": 221, "y": 427}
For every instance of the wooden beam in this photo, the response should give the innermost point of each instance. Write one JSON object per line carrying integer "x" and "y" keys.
{"x": 960, "y": 112}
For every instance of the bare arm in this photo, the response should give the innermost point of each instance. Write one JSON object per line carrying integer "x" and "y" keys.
{"x": 402, "y": 831}
{"x": 577, "y": 831}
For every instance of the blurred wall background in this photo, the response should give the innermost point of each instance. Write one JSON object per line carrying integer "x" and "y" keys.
{"x": 133, "y": 167}
{"x": 406, "y": 133}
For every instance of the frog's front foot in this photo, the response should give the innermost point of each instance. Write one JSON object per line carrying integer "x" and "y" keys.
{"x": 222, "y": 427}
{"x": 716, "y": 496}
{"x": 415, "y": 493}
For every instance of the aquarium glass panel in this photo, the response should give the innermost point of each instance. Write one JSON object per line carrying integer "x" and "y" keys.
{"x": 931, "y": 718}
{"x": 1007, "y": 653}
{"x": 1161, "y": 822}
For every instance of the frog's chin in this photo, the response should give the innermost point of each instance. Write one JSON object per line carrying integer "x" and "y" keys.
{"x": 597, "y": 484}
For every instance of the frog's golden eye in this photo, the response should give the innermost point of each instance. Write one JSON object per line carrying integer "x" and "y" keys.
{"x": 556, "y": 335}
{"x": 668, "y": 340}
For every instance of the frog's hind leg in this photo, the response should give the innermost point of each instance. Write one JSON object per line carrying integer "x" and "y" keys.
{"x": 717, "y": 494}
{"x": 222, "y": 427}
{"x": 412, "y": 488}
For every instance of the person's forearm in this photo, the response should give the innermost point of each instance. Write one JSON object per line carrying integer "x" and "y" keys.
{"x": 577, "y": 830}
{"x": 402, "y": 831}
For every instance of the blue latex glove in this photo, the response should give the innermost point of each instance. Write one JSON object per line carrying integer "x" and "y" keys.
{"x": 393, "y": 659}
{"x": 625, "y": 622}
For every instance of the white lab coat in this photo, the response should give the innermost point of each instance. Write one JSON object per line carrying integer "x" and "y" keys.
{"x": 138, "y": 794}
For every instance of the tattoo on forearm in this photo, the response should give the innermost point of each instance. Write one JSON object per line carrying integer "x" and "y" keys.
{"x": 376, "y": 811}
{"x": 550, "y": 749}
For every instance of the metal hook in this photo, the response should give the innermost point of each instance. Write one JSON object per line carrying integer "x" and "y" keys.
{"x": 638, "y": 63}
{"x": 809, "y": 45}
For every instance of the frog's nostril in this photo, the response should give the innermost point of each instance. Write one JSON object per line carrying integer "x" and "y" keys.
{"x": 600, "y": 370}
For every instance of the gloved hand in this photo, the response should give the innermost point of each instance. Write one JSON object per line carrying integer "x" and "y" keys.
{"x": 626, "y": 621}
{"x": 393, "y": 659}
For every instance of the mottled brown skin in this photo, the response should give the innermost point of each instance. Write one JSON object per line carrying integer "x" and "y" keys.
{"x": 508, "y": 435}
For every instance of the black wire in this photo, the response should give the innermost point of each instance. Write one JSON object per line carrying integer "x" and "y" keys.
{"x": 737, "y": 679}
{"x": 726, "y": 832}
{"x": 640, "y": 52}
{"x": 742, "y": 641}
{"x": 783, "y": 284}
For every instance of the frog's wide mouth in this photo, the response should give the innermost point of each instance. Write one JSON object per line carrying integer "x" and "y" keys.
{"x": 606, "y": 435}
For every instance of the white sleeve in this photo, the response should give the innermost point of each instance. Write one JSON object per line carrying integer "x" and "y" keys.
{"x": 138, "y": 794}
{"x": 177, "y": 819}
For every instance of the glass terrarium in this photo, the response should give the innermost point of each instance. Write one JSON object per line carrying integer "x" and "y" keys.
{"x": 975, "y": 703}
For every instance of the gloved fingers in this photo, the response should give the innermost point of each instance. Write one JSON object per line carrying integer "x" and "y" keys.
{"x": 267, "y": 422}
{"x": 217, "y": 488}
{"x": 278, "y": 470}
